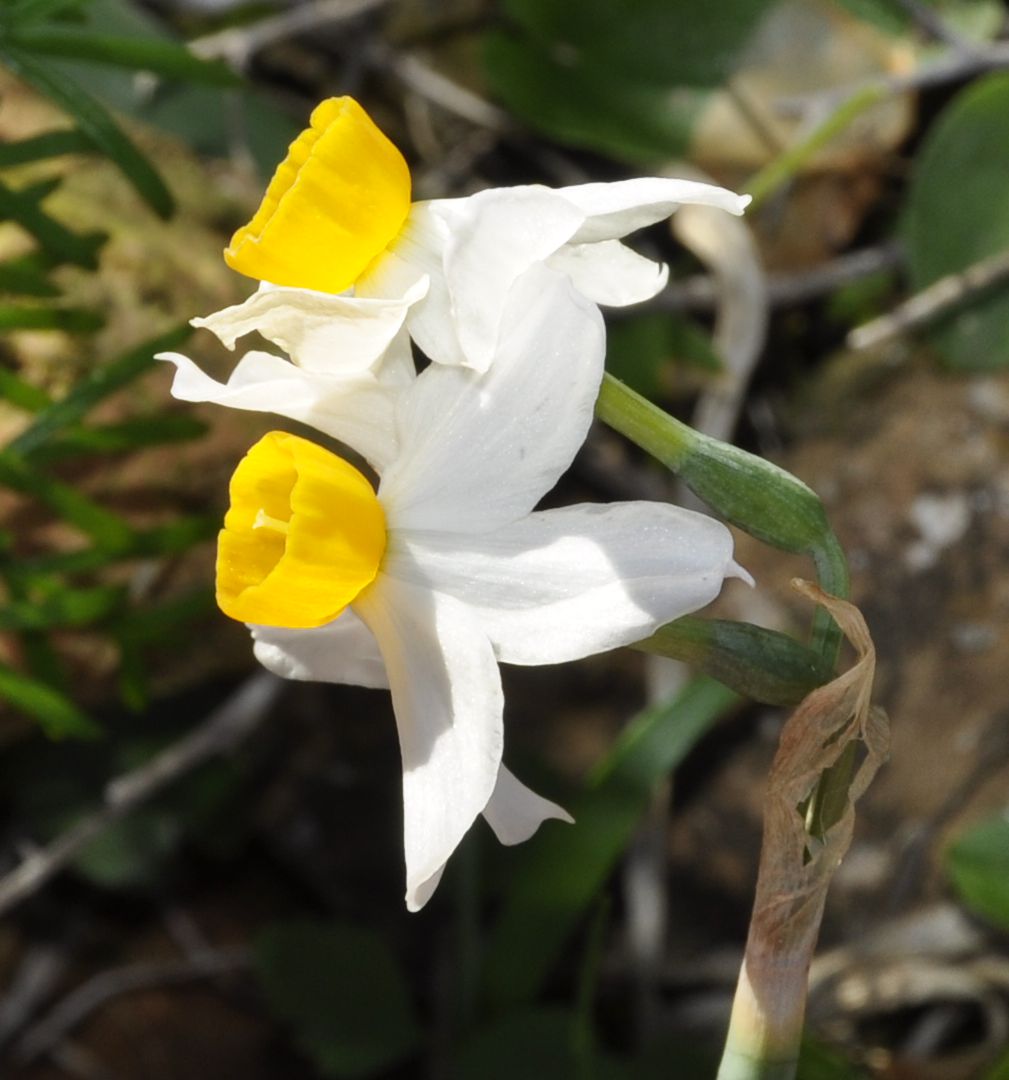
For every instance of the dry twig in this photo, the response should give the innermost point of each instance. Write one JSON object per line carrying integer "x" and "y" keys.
{"x": 50, "y": 1032}
{"x": 956, "y": 65}
{"x": 701, "y": 292}
{"x": 237, "y": 45}
{"x": 933, "y": 302}
{"x": 417, "y": 75}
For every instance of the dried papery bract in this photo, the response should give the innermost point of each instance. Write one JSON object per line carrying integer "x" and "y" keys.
{"x": 796, "y": 867}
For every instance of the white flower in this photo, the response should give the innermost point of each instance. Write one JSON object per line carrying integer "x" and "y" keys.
{"x": 349, "y": 360}
{"x": 448, "y": 569}
{"x": 337, "y": 216}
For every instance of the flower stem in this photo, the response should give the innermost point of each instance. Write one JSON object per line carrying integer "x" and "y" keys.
{"x": 749, "y": 492}
{"x": 772, "y": 505}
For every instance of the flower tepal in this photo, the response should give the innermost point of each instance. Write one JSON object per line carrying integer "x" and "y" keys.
{"x": 447, "y": 569}
{"x": 304, "y": 535}
{"x": 335, "y": 202}
{"x": 337, "y": 216}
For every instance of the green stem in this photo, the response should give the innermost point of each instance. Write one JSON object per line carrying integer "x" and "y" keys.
{"x": 779, "y": 171}
{"x": 749, "y": 492}
{"x": 777, "y": 508}
{"x": 764, "y": 665}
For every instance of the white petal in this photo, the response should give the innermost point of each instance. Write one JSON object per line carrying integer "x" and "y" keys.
{"x": 614, "y": 210}
{"x": 343, "y": 651}
{"x": 608, "y": 272}
{"x": 473, "y": 250}
{"x": 446, "y": 692}
{"x": 479, "y": 451}
{"x": 356, "y": 410}
{"x": 319, "y": 331}
{"x": 418, "y": 254}
{"x": 418, "y": 897}
{"x": 563, "y": 584}
{"x": 494, "y": 237}
{"x": 515, "y": 812}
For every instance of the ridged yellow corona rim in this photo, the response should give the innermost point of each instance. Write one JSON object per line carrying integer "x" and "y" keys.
{"x": 304, "y": 535}
{"x": 335, "y": 203}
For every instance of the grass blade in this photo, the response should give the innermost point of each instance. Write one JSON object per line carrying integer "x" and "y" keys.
{"x": 560, "y": 871}
{"x": 22, "y": 394}
{"x": 171, "y": 539}
{"x": 56, "y": 239}
{"x": 48, "y": 144}
{"x": 108, "y": 530}
{"x": 23, "y": 12}
{"x": 119, "y": 438}
{"x": 58, "y": 716}
{"x": 166, "y": 58}
{"x": 69, "y": 320}
{"x": 68, "y": 607}
{"x": 94, "y": 120}
{"x": 95, "y": 387}
{"x": 26, "y": 276}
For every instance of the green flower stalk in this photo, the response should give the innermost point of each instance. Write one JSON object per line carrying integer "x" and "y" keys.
{"x": 813, "y": 784}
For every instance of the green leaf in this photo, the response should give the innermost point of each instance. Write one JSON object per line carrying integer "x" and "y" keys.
{"x": 588, "y": 107}
{"x": 192, "y": 112}
{"x": 177, "y": 536}
{"x": 820, "y": 1062}
{"x": 134, "y": 689}
{"x": 95, "y": 123}
{"x": 119, "y": 438}
{"x": 958, "y": 213}
{"x": 1000, "y": 1070}
{"x": 24, "y": 12}
{"x": 40, "y": 190}
{"x": 531, "y": 1043}
{"x": 107, "y": 529}
{"x": 95, "y": 387}
{"x": 130, "y": 852}
{"x": 560, "y": 871}
{"x": 625, "y": 79}
{"x": 978, "y": 866}
{"x": 22, "y": 394}
{"x": 58, "y": 716}
{"x": 57, "y": 240}
{"x": 341, "y": 992}
{"x": 138, "y": 54}
{"x": 171, "y": 539}
{"x": 48, "y": 144}
{"x": 26, "y": 276}
{"x": 661, "y": 42}
{"x": 161, "y": 623}
{"x": 68, "y": 607}
{"x": 641, "y": 350}
{"x": 68, "y": 320}
{"x": 761, "y": 664}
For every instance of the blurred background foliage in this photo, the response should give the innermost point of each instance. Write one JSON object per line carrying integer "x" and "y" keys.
{"x": 200, "y": 869}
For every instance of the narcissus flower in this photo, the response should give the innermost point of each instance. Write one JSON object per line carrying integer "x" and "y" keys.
{"x": 337, "y": 216}
{"x": 349, "y": 360}
{"x": 427, "y": 583}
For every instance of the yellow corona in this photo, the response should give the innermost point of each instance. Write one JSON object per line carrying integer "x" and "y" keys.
{"x": 304, "y": 535}
{"x": 334, "y": 204}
